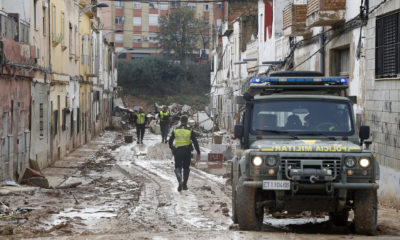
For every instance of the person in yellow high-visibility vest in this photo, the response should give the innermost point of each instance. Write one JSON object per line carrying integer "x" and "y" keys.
{"x": 164, "y": 116}
{"x": 140, "y": 119}
{"x": 180, "y": 143}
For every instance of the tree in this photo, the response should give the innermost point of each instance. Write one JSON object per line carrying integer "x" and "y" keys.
{"x": 158, "y": 76}
{"x": 150, "y": 75}
{"x": 178, "y": 34}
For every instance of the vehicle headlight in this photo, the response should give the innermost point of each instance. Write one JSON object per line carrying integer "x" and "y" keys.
{"x": 271, "y": 161}
{"x": 257, "y": 161}
{"x": 365, "y": 162}
{"x": 350, "y": 162}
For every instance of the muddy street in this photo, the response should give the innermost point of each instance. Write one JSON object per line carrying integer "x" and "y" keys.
{"x": 113, "y": 190}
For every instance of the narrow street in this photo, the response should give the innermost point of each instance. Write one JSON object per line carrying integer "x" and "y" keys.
{"x": 128, "y": 191}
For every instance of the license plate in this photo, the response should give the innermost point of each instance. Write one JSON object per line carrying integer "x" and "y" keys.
{"x": 276, "y": 185}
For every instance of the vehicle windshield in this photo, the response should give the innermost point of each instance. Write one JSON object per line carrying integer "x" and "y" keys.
{"x": 304, "y": 117}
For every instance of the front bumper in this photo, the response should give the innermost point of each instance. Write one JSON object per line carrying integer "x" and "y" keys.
{"x": 334, "y": 185}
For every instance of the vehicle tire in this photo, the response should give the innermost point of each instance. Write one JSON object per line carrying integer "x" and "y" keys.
{"x": 365, "y": 211}
{"x": 234, "y": 214}
{"x": 339, "y": 218}
{"x": 249, "y": 216}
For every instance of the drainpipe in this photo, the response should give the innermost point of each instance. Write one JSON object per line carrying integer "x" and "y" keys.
{"x": 322, "y": 52}
{"x": 49, "y": 34}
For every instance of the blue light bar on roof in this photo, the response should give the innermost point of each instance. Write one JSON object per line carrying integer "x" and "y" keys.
{"x": 342, "y": 81}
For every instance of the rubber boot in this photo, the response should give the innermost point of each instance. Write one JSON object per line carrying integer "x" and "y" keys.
{"x": 178, "y": 173}
{"x": 185, "y": 178}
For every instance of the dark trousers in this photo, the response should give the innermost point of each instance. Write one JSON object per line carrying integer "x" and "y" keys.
{"x": 140, "y": 128}
{"x": 182, "y": 156}
{"x": 164, "y": 130}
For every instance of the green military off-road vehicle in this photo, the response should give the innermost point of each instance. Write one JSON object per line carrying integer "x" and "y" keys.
{"x": 301, "y": 151}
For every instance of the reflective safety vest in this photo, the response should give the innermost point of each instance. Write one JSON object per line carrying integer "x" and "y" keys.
{"x": 141, "y": 118}
{"x": 182, "y": 137}
{"x": 164, "y": 114}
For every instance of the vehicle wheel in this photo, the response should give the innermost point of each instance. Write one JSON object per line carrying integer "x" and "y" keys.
{"x": 249, "y": 216}
{"x": 365, "y": 211}
{"x": 234, "y": 214}
{"x": 339, "y": 218}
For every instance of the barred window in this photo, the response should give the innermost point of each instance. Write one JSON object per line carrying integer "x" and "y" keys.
{"x": 387, "y": 63}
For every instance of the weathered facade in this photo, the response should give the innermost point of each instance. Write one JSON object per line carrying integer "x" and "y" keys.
{"x": 85, "y": 73}
{"x": 236, "y": 41}
{"x": 16, "y": 74}
{"x": 40, "y": 86}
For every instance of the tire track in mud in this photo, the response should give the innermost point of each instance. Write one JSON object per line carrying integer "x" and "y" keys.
{"x": 161, "y": 204}
{"x": 149, "y": 213}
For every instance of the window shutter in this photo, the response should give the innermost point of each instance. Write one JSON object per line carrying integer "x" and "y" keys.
{"x": 379, "y": 48}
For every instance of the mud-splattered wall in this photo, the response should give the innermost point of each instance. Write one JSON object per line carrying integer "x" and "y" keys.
{"x": 14, "y": 125}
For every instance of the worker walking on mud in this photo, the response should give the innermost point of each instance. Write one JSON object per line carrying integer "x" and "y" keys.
{"x": 140, "y": 119}
{"x": 181, "y": 149}
{"x": 163, "y": 116}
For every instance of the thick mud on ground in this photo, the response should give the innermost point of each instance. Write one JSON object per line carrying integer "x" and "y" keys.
{"x": 128, "y": 191}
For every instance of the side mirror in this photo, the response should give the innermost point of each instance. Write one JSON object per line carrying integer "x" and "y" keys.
{"x": 238, "y": 131}
{"x": 364, "y": 133}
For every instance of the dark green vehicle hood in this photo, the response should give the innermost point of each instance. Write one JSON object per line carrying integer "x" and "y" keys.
{"x": 268, "y": 145}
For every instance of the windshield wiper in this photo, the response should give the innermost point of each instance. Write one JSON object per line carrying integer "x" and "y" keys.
{"x": 277, "y": 132}
{"x": 318, "y": 134}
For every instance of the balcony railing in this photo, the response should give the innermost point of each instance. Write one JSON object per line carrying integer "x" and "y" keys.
{"x": 12, "y": 28}
{"x": 325, "y": 12}
{"x": 294, "y": 20}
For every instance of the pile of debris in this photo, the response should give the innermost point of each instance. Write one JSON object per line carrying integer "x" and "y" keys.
{"x": 198, "y": 120}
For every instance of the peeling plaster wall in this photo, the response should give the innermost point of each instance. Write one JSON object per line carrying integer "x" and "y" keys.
{"x": 40, "y": 144}
{"x": 14, "y": 125}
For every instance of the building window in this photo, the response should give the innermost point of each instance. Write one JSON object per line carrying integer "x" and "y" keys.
{"x": 153, "y": 39}
{"x": 119, "y": 21}
{"x": 137, "y": 21}
{"x": 175, "y": 4}
{"x": 44, "y": 21}
{"x": 35, "y": 14}
{"x": 137, "y": 39}
{"x": 137, "y": 5}
{"x": 76, "y": 41}
{"x": 164, "y": 5}
{"x": 153, "y": 5}
{"x": 192, "y": 6}
{"x": 41, "y": 122}
{"x": 64, "y": 119}
{"x": 219, "y": 26}
{"x": 83, "y": 50}
{"x": 63, "y": 29}
{"x": 387, "y": 63}
{"x": 54, "y": 22}
{"x": 70, "y": 38}
{"x": 206, "y": 7}
{"x": 153, "y": 19}
{"x": 55, "y": 124}
{"x": 219, "y": 5}
{"x": 118, "y": 4}
{"x": 340, "y": 61}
